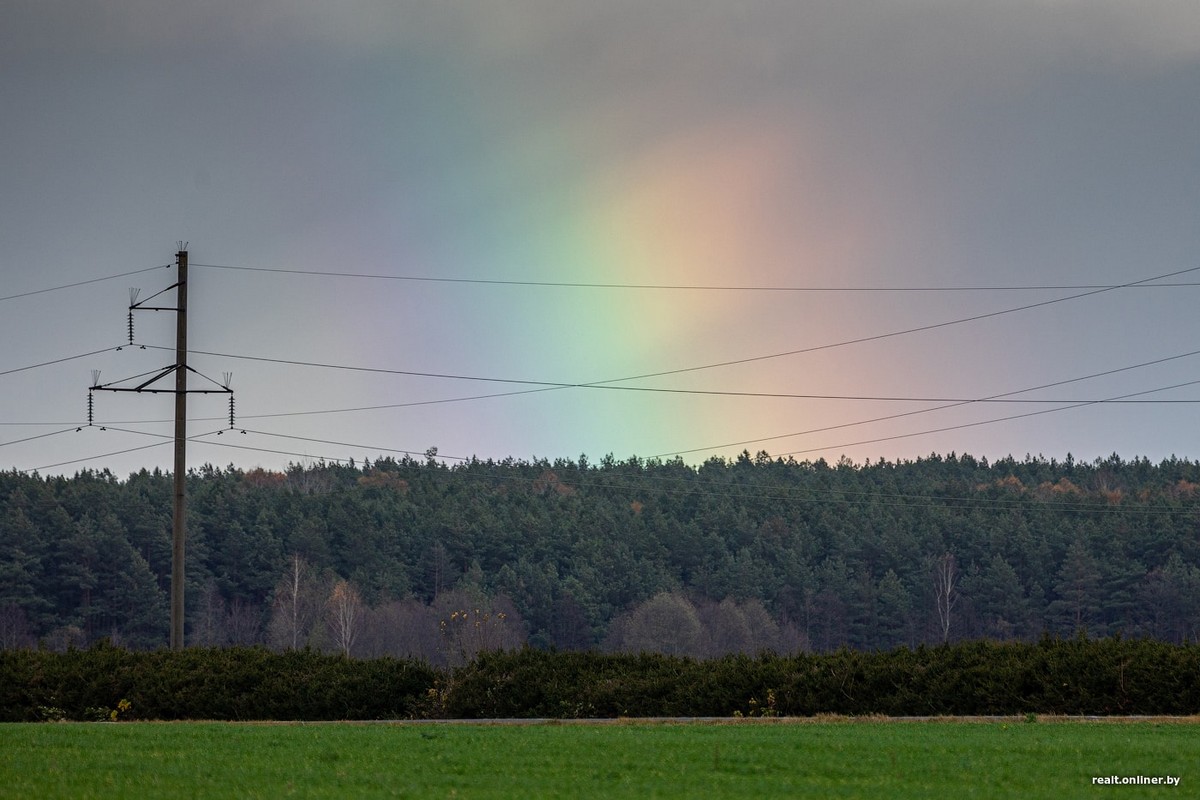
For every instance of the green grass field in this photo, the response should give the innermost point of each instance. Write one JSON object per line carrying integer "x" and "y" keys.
{"x": 760, "y": 759}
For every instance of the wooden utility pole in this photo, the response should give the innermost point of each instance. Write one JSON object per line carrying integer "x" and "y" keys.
{"x": 181, "y": 391}
{"x": 179, "y": 507}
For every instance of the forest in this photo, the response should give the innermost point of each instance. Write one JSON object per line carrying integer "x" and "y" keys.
{"x": 420, "y": 558}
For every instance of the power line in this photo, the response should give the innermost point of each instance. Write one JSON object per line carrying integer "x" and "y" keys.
{"x": 306, "y": 455}
{"x": 606, "y": 384}
{"x": 951, "y": 401}
{"x": 1005, "y": 397}
{"x": 919, "y": 329}
{"x": 903, "y": 500}
{"x": 410, "y": 404}
{"x": 94, "y": 458}
{"x": 349, "y": 444}
{"x": 39, "y": 436}
{"x": 58, "y": 361}
{"x": 165, "y": 440}
{"x": 685, "y": 287}
{"x": 916, "y": 412}
{"x": 682, "y": 370}
{"x": 81, "y": 283}
{"x": 202, "y": 438}
{"x": 983, "y": 422}
{"x": 742, "y": 443}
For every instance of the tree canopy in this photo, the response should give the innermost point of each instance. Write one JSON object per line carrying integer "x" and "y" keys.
{"x": 731, "y": 555}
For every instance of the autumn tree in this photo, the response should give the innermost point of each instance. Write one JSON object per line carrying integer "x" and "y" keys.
{"x": 666, "y": 623}
{"x": 207, "y": 627}
{"x": 471, "y": 623}
{"x": 745, "y": 627}
{"x": 402, "y": 629}
{"x": 945, "y": 592}
{"x": 296, "y": 606}
{"x": 344, "y": 616}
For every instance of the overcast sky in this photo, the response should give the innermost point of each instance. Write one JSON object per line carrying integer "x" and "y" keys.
{"x": 999, "y": 162}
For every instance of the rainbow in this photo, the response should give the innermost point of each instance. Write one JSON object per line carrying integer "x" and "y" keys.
{"x": 587, "y": 201}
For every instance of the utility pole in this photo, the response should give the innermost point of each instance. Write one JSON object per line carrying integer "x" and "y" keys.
{"x": 181, "y": 391}
{"x": 179, "y": 507}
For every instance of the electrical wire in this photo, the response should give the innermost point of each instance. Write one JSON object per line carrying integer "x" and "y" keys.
{"x": 278, "y": 452}
{"x": 39, "y": 436}
{"x": 919, "y": 411}
{"x": 681, "y": 287}
{"x": 349, "y": 444}
{"x": 689, "y": 487}
{"x": 905, "y": 332}
{"x": 93, "y": 458}
{"x": 1079, "y": 404}
{"x": 58, "y": 361}
{"x": 984, "y": 422}
{"x": 40, "y": 424}
{"x": 606, "y": 385}
{"x": 202, "y": 438}
{"x": 683, "y": 370}
{"x": 545, "y": 386}
{"x": 81, "y": 283}
{"x": 1003, "y": 397}
{"x": 166, "y": 439}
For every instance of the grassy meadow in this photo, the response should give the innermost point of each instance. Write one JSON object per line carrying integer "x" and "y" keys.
{"x": 759, "y": 758}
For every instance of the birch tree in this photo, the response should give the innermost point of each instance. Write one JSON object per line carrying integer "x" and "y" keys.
{"x": 945, "y": 589}
{"x": 297, "y": 605}
{"x": 344, "y": 616}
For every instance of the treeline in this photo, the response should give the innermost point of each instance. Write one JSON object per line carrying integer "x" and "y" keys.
{"x": 1111, "y": 676}
{"x": 415, "y": 558}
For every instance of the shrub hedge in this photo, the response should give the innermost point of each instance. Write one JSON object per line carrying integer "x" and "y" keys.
{"x": 1053, "y": 676}
{"x": 237, "y": 683}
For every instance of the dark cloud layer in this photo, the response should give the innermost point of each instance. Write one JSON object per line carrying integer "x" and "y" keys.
{"x": 868, "y": 143}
